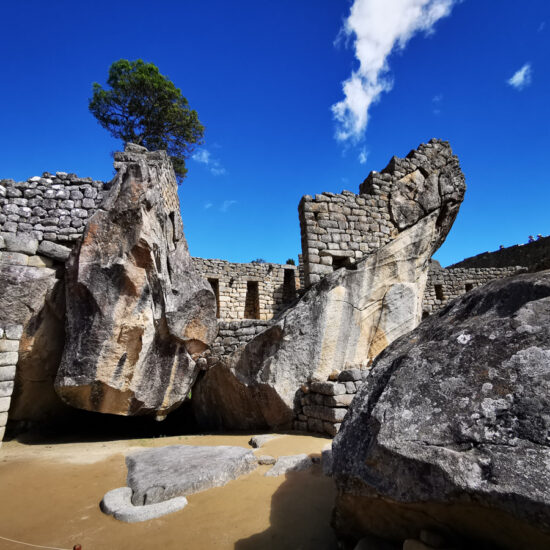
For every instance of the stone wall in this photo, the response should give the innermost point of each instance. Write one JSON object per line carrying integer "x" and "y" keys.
{"x": 445, "y": 285}
{"x": 231, "y": 336}
{"x": 9, "y": 354}
{"x": 323, "y": 405}
{"x": 535, "y": 256}
{"x": 338, "y": 230}
{"x": 249, "y": 291}
{"x": 52, "y": 208}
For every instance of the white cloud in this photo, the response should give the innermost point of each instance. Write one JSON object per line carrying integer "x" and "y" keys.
{"x": 521, "y": 78}
{"x": 218, "y": 170}
{"x": 378, "y": 27}
{"x": 208, "y": 205}
{"x": 203, "y": 156}
{"x": 363, "y": 156}
{"x": 226, "y": 205}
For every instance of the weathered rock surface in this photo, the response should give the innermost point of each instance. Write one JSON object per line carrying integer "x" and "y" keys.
{"x": 138, "y": 314}
{"x": 118, "y": 503}
{"x": 451, "y": 431}
{"x": 33, "y": 298}
{"x": 258, "y": 441}
{"x": 291, "y": 463}
{"x": 160, "y": 474}
{"x": 346, "y": 319}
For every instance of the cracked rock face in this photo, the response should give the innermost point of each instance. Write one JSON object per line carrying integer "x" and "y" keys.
{"x": 157, "y": 475}
{"x": 452, "y": 428}
{"x": 138, "y": 314}
{"x": 344, "y": 320}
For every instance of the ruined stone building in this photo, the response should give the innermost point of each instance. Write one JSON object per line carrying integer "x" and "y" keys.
{"x": 401, "y": 215}
{"x": 249, "y": 290}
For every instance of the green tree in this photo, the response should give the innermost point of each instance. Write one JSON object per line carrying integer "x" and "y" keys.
{"x": 143, "y": 106}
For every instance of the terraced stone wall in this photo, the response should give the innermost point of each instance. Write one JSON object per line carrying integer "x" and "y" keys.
{"x": 534, "y": 255}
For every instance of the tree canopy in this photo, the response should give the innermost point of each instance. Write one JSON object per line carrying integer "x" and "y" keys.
{"x": 143, "y": 106}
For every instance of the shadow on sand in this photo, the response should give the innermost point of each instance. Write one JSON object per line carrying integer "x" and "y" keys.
{"x": 300, "y": 515}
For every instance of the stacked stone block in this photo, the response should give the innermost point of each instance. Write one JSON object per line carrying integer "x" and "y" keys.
{"x": 232, "y": 284}
{"x": 25, "y": 250}
{"x": 9, "y": 355}
{"x": 444, "y": 285}
{"x": 323, "y": 405}
{"x": 52, "y": 208}
{"x": 231, "y": 336}
{"x": 338, "y": 230}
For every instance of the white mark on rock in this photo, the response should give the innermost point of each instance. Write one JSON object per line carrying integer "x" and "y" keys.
{"x": 487, "y": 387}
{"x": 464, "y": 339}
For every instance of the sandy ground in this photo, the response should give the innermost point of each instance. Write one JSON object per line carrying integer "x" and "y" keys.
{"x": 50, "y": 496}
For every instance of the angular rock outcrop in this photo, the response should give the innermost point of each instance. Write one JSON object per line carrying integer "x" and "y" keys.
{"x": 451, "y": 430}
{"x": 138, "y": 314}
{"x": 347, "y": 318}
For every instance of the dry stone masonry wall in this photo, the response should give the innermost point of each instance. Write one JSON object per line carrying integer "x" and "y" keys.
{"x": 9, "y": 354}
{"x": 249, "y": 291}
{"x": 231, "y": 336}
{"x": 323, "y": 405}
{"x": 445, "y": 285}
{"x": 338, "y": 230}
{"x": 534, "y": 255}
{"x": 53, "y": 208}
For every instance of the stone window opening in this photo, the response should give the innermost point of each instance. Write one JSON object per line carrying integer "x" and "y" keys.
{"x": 469, "y": 286}
{"x": 289, "y": 286}
{"x": 215, "y": 284}
{"x": 439, "y": 292}
{"x": 252, "y": 301}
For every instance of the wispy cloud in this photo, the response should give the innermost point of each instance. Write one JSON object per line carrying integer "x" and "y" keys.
{"x": 521, "y": 78}
{"x": 363, "y": 156}
{"x": 227, "y": 205}
{"x": 436, "y": 102}
{"x": 203, "y": 156}
{"x": 208, "y": 205}
{"x": 378, "y": 27}
{"x": 542, "y": 26}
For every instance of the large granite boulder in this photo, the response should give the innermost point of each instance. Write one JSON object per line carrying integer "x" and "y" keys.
{"x": 344, "y": 320}
{"x": 33, "y": 297}
{"x": 451, "y": 431}
{"x": 138, "y": 314}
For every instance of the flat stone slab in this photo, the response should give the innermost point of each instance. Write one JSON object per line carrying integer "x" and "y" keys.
{"x": 293, "y": 463}
{"x": 118, "y": 503}
{"x": 258, "y": 440}
{"x": 160, "y": 474}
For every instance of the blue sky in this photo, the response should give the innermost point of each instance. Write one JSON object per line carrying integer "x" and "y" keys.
{"x": 263, "y": 77}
